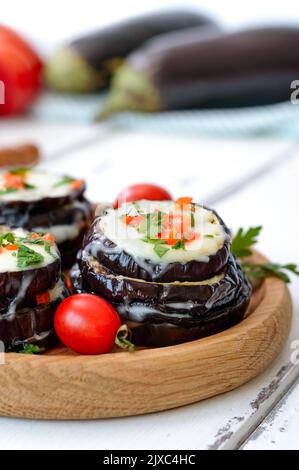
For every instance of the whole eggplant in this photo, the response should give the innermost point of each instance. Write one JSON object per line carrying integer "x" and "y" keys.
{"x": 192, "y": 69}
{"x": 86, "y": 63}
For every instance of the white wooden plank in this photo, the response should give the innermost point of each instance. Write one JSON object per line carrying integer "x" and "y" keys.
{"x": 279, "y": 431}
{"x": 52, "y": 138}
{"x": 197, "y": 166}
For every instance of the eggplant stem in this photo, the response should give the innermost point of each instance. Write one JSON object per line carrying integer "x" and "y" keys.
{"x": 123, "y": 338}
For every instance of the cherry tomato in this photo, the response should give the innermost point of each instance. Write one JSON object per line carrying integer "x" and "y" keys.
{"x": 87, "y": 324}
{"x": 20, "y": 72}
{"x": 152, "y": 192}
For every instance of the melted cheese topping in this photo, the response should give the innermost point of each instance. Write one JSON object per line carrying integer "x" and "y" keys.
{"x": 8, "y": 259}
{"x": 44, "y": 185}
{"x": 129, "y": 238}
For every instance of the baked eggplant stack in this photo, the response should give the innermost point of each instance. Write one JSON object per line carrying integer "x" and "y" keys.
{"x": 166, "y": 266}
{"x": 43, "y": 202}
{"x": 30, "y": 289}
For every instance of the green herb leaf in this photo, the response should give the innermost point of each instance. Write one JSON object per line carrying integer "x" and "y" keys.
{"x": 7, "y": 237}
{"x": 30, "y": 349}
{"x": 32, "y": 241}
{"x": 29, "y": 186}
{"x": 47, "y": 246}
{"x": 261, "y": 271}
{"x": 179, "y": 244}
{"x": 192, "y": 220}
{"x": 28, "y": 257}
{"x": 243, "y": 240}
{"x": 160, "y": 249}
{"x": 19, "y": 171}
{"x": 63, "y": 181}
{"x": 208, "y": 235}
{"x": 7, "y": 191}
{"x": 153, "y": 241}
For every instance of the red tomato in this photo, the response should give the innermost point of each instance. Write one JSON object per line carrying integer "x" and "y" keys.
{"x": 152, "y": 192}
{"x": 20, "y": 71}
{"x": 87, "y": 324}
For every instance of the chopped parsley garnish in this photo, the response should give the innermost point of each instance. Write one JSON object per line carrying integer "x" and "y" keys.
{"x": 160, "y": 249}
{"x": 7, "y": 191}
{"x": 160, "y": 246}
{"x": 30, "y": 349}
{"x": 209, "y": 235}
{"x": 7, "y": 238}
{"x": 63, "y": 181}
{"x": 29, "y": 186}
{"x": 28, "y": 257}
{"x": 19, "y": 171}
{"x": 179, "y": 244}
{"x": 192, "y": 219}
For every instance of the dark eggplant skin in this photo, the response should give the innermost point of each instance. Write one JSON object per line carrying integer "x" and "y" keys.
{"x": 160, "y": 332}
{"x": 189, "y": 70}
{"x": 63, "y": 215}
{"x": 87, "y": 63}
{"x": 161, "y": 296}
{"x": 169, "y": 328}
{"x": 69, "y": 249}
{"x": 120, "y": 262}
{"x": 36, "y": 280}
{"x": 76, "y": 280}
{"x": 39, "y": 206}
{"x": 33, "y": 325}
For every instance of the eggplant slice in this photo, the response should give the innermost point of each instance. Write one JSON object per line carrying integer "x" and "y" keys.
{"x": 34, "y": 325}
{"x": 157, "y": 325}
{"x": 158, "y": 332}
{"x": 40, "y": 191}
{"x": 78, "y": 212}
{"x": 196, "y": 297}
{"x": 120, "y": 262}
{"x": 27, "y": 283}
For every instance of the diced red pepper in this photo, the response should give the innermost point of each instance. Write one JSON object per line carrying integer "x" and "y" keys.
{"x": 13, "y": 181}
{"x": 193, "y": 236}
{"x": 77, "y": 184}
{"x": 182, "y": 201}
{"x": 134, "y": 220}
{"x": 12, "y": 247}
{"x": 43, "y": 298}
{"x": 33, "y": 236}
{"x": 48, "y": 237}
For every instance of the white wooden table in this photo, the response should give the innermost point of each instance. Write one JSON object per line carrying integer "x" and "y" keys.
{"x": 250, "y": 182}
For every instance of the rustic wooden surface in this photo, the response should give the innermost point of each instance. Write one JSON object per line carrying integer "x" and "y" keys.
{"x": 90, "y": 387}
{"x": 249, "y": 181}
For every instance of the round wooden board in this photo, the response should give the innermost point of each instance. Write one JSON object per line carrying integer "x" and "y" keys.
{"x": 64, "y": 385}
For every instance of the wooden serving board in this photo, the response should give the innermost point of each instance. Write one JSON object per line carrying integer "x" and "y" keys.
{"x": 65, "y": 385}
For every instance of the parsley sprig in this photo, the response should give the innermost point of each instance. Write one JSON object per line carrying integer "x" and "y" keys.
{"x": 30, "y": 349}
{"x": 28, "y": 257}
{"x": 241, "y": 248}
{"x": 243, "y": 240}
{"x": 63, "y": 181}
